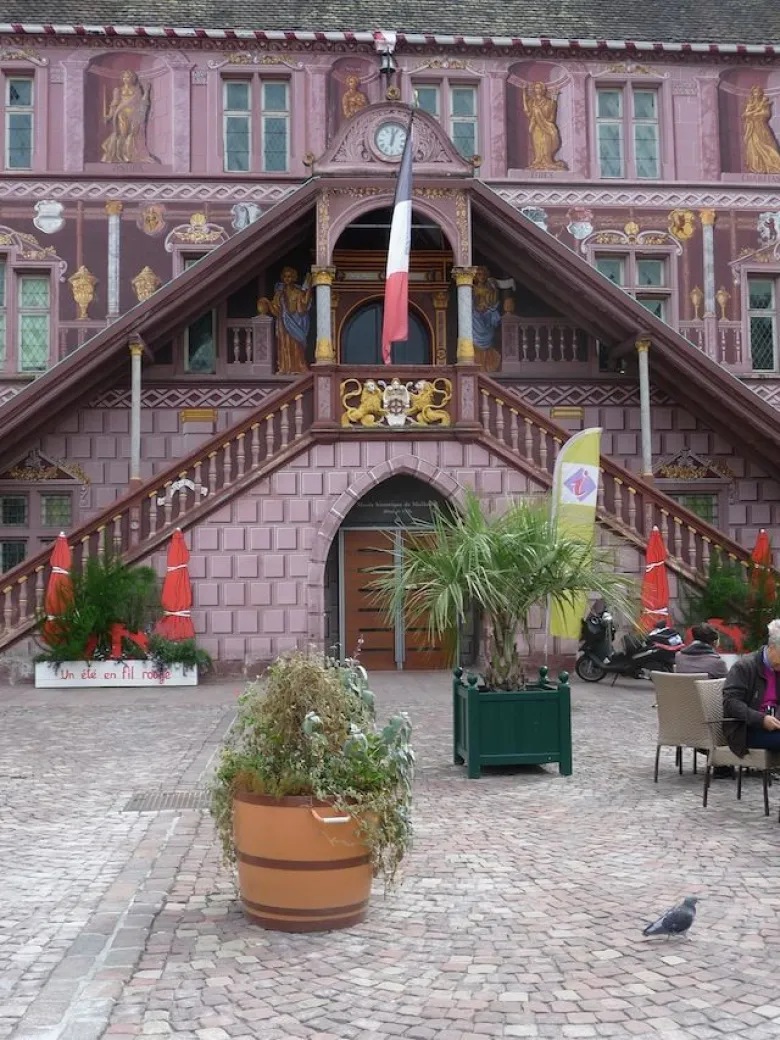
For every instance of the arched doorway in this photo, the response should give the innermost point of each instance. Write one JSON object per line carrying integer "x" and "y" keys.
{"x": 361, "y": 338}
{"x": 373, "y": 535}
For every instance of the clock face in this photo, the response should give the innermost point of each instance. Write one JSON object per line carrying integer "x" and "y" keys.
{"x": 390, "y": 139}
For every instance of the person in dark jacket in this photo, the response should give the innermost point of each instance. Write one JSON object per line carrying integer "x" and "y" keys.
{"x": 750, "y": 698}
{"x": 702, "y": 655}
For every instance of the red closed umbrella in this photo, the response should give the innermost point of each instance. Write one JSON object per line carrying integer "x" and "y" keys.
{"x": 655, "y": 587}
{"x": 761, "y": 577}
{"x": 176, "y": 599}
{"x": 59, "y": 591}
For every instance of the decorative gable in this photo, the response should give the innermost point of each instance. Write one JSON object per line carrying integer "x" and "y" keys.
{"x": 685, "y": 465}
{"x": 364, "y": 144}
{"x": 35, "y": 466}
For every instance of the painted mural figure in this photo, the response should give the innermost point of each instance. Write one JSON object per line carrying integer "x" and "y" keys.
{"x": 291, "y": 306}
{"x": 127, "y": 114}
{"x": 542, "y": 111}
{"x": 485, "y": 319}
{"x": 353, "y": 100}
{"x": 762, "y": 154}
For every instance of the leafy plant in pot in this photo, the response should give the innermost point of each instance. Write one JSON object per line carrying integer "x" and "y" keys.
{"x": 504, "y": 564}
{"x": 311, "y": 798}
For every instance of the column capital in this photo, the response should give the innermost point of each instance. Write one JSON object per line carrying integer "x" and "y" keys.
{"x": 464, "y": 275}
{"x": 441, "y": 300}
{"x": 136, "y": 347}
{"x": 643, "y": 345}
{"x": 708, "y": 217}
{"x": 323, "y": 275}
{"x": 114, "y": 207}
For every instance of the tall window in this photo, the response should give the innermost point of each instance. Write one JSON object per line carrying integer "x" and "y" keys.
{"x": 460, "y": 105}
{"x": 646, "y": 278}
{"x": 33, "y": 311}
{"x": 762, "y": 315}
{"x": 256, "y": 125}
{"x": 627, "y": 131}
{"x": 18, "y": 123}
{"x": 237, "y": 124}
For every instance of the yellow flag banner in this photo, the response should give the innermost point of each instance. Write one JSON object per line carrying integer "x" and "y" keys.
{"x": 575, "y": 498}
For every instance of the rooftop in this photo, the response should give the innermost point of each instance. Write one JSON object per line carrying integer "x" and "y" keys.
{"x": 672, "y": 21}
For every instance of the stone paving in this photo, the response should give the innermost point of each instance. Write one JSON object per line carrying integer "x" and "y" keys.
{"x": 520, "y": 912}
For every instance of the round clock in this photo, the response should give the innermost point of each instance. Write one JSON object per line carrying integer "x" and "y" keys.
{"x": 390, "y": 139}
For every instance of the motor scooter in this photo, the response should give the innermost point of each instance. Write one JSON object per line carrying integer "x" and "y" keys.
{"x": 596, "y": 657}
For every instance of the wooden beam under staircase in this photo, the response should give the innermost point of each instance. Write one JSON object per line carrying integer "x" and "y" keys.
{"x": 308, "y": 411}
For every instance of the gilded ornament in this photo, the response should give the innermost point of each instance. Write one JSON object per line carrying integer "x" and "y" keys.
{"x": 145, "y": 284}
{"x": 36, "y": 467}
{"x": 630, "y": 69}
{"x": 708, "y": 217}
{"x": 723, "y": 297}
{"x": 541, "y": 109}
{"x": 82, "y": 285}
{"x": 378, "y": 403}
{"x": 253, "y": 58}
{"x": 22, "y": 54}
{"x": 697, "y": 299}
{"x": 441, "y": 300}
{"x": 393, "y": 94}
{"x": 152, "y": 219}
{"x": 762, "y": 154}
{"x": 631, "y": 229}
{"x": 443, "y": 63}
{"x": 682, "y": 223}
{"x": 114, "y": 208}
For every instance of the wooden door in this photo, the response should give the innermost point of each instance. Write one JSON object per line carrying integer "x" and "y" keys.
{"x": 363, "y": 552}
{"x": 423, "y": 652}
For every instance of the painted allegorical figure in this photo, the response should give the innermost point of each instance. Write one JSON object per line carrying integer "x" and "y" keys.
{"x": 762, "y": 154}
{"x": 127, "y": 114}
{"x": 291, "y": 306}
{"x": 353, "y": 100}
{"x": 485, "y": 319}
{"x": 541, "y": 108}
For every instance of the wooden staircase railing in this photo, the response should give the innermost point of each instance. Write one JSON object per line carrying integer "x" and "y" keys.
{"x": 140, "y": 521}
{"x": 628, "y": 504}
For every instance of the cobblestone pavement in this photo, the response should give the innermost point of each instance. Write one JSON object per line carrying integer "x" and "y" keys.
{"x": 520, "y": 912}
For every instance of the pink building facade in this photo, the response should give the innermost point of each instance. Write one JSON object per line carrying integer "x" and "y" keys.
{"x": 130, "y": 158}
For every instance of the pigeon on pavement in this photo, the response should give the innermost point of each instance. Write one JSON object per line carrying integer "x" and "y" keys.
{"x": 676, "y": 921}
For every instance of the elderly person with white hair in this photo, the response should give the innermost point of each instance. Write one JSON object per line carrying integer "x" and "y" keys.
{"x": 750, "y": 698}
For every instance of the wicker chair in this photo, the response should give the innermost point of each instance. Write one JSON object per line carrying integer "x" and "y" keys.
{"x": 710, "y": 692}
{"x": 681, "y": 723}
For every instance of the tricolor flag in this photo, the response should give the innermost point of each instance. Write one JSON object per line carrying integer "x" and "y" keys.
{"x": 574, "y": 500}
{"x": 395, "y": 326}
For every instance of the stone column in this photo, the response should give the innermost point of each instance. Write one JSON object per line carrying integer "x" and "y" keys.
{"x": 643, "y": 349}
{"x": 114, "y": 211}
{"x": 324, "y": 352}
{"x": 708, "y": 258}
{"x": 136, "y": 355}
{"x": 464, "y": 280}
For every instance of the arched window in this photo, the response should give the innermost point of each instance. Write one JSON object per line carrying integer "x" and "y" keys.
{"x": 361, "y": 339}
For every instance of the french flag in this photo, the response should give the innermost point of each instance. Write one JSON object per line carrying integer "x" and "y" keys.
{"x": 395, "y": 325}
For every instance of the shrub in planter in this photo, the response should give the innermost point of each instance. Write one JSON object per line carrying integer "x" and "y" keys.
{"x": 311, "y": 797}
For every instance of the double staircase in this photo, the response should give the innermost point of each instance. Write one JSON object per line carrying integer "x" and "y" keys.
{"x": 308, "y": 411}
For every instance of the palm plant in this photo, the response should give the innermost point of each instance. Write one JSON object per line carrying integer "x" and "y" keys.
{"x": 505, "y": 564}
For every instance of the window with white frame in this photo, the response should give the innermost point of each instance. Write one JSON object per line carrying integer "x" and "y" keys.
{"x": 256, "y": 125}
{"x": 627, "y": 132}
{"x": 645, "y": 277}
{"x": 33, "y": 309}
{"x": 459, "y": 103}
{"x": 19, "y": 122}
{"x": 762, "y": 319}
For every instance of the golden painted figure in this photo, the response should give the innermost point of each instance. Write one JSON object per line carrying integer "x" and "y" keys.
{"x": 485, "y": 319}
{"x": 542, "y": 111}
{"x": 762, "y": 154}
{"x": 353, "y": 100}
{"x": 127, "y": 114}
{"x": 291, "y": 306}
{"x": 369, "y": 410}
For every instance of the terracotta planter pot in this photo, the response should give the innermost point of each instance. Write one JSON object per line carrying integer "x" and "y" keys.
{"x": 301, "y": 864}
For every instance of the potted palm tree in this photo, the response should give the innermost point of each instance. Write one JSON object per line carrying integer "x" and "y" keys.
{"x": 504, "y": 564}
{"x": 311, "y": 799}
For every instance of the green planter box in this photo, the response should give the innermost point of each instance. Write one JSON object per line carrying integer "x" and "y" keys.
{"x": 523, "y": 727}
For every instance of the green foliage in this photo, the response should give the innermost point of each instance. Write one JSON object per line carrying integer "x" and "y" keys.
{"x": 505, "y": 564}
{"x": 740, "y": 596}
{"x": 105, "y": 592}
{"x": 308, "y": 728}
{"x": 185, "y": 652}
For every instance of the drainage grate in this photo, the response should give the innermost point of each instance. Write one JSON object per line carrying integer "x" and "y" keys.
{"x": 161, "y": 801}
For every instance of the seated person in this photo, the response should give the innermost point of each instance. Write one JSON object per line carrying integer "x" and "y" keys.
{"x": 702, "y": 655}
{"x": 750, "y": 698}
